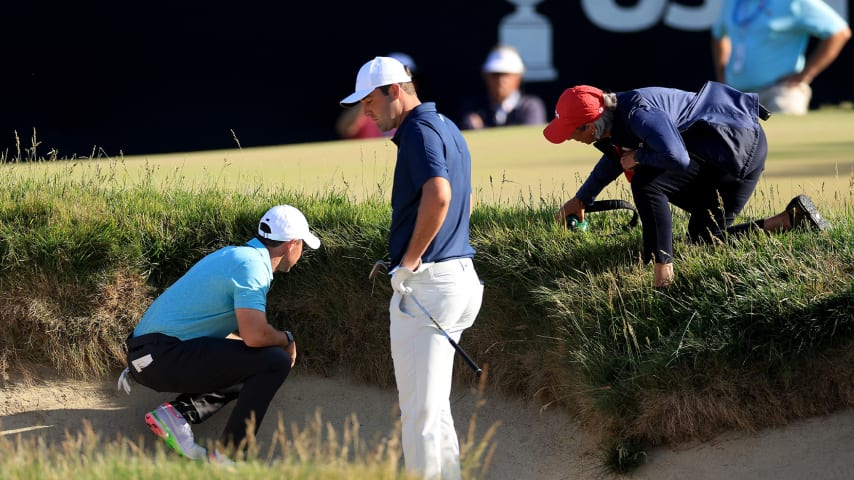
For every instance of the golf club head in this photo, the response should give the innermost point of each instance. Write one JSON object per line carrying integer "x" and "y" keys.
{"x": 376, "y": 268}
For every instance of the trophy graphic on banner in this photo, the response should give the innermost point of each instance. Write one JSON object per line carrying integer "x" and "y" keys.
{"x": 531, "y": 34}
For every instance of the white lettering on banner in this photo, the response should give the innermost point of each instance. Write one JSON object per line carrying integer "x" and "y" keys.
{"x": 696, "y": 18}
{"x": 531, "y": 33}
{"x": 609, "y": 15}
{"x": 645, "y": 14}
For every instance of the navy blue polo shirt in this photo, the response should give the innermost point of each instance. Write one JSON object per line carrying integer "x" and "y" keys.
{"x": 430, "y": 145}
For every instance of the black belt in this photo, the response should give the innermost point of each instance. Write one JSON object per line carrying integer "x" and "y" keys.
{"x": 136, "y": 343}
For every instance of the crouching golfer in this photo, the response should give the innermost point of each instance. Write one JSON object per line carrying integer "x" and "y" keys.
{"x": 432, "y": 259}
{"x": 703, "y": 152}
{"x": 180, "y": 343}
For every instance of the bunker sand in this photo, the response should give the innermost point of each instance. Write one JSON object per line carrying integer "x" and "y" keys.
{"x": 530, "y": 443}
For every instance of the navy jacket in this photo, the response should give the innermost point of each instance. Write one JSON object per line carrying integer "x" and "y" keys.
{"x": 718, "y": 125}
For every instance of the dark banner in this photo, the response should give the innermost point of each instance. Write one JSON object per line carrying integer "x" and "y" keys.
{"x": 148, "y": 77}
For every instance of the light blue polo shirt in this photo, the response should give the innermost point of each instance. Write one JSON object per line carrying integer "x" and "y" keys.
{"x": 769, "y": 37}
{"x": 202, "y": 302}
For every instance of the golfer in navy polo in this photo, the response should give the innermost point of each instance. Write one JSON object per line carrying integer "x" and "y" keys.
{"x": 431, "y": 258}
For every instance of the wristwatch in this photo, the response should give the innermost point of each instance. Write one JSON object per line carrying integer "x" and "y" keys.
{"x": 290, "y": 336}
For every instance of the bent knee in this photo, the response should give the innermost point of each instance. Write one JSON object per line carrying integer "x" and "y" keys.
{"x": 276, "y": 362}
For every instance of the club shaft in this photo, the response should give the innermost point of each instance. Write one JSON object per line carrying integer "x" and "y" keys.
{"x": 477, "y": 370}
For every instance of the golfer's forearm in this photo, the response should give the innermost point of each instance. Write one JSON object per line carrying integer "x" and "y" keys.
{"x": 435, "y": 199}
{"x": 255, "y": 330}
{"x": 424, "y": 233}
{"x": 721, "y": 49}
{"x": 270, "y": 337}
{"x": 825, "y": 53}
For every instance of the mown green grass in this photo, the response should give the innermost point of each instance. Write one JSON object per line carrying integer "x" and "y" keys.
{"x": 808, "y": 154}
{"x": 755, "y": 332}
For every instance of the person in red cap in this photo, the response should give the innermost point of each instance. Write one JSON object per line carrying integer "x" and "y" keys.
{"x": 700, "y": 151}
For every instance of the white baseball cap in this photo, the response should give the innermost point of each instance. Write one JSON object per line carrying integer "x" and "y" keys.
{"x": 284, "y": 223}
{"x": 503, "y": 60}
{"x": 379, "y": 72}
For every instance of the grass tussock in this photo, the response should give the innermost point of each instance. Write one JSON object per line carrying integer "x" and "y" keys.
{"x": 746, "y": 399}
{"x": 68, "y": 325}
{"x": 756, "y": 331}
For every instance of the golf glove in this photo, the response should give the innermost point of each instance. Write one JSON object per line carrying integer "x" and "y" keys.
{"x": 125, "y": 381}
{"x": 398, "y": 276}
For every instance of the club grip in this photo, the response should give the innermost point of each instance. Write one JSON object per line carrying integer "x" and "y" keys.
{"x": 477, "y": 370}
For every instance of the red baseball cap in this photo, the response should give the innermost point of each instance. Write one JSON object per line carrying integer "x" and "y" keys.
{"x": 575, "y": 107}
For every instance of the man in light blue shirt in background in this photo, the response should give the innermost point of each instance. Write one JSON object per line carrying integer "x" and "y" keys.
{"x": 186, "y": 341}
{"x": 760, "y": 46}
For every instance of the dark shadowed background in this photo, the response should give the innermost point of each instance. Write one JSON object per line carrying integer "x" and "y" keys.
{"x": 157, "y": 76}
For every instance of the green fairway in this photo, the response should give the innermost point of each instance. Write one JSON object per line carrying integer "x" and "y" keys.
{"x": 810, "y": 154}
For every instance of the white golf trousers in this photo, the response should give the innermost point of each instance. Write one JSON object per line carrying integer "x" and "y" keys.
{"x": 423, "y": 362}
{"x": 787, "y": 99}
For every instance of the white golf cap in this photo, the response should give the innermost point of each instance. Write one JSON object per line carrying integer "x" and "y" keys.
{"x": 379, "y": 72}
{"x": 503, "y": 60}
{"x": 284, "y": 223}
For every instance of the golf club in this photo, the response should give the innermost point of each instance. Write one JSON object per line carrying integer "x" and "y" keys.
{"x": 477, "y": 370}
{"x": 376, "y": 268}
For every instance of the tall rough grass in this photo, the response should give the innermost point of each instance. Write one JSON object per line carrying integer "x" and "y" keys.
{"x": 755, "y": 332}
{"x": 319, "y": 450}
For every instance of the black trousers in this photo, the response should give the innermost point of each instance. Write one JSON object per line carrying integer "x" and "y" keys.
{"x": 209, "y": 373}
{"x": 713, "y": 199}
